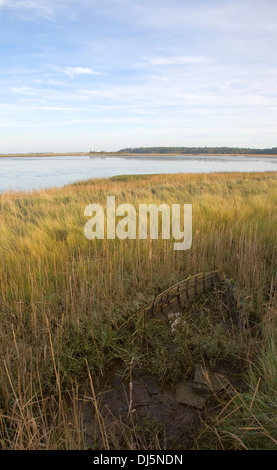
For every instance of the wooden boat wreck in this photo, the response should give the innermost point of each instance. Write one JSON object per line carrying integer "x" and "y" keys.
{"x": 176, "y": 297}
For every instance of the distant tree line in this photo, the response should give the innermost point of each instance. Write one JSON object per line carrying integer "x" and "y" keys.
{"x": 199, "y": 150}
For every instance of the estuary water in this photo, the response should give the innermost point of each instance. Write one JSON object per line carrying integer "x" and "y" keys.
{"x": 28, "y": 173}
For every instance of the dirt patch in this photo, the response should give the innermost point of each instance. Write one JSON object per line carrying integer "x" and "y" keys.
{"x": 184, "y": 359}
{"x": 146, "y": 403}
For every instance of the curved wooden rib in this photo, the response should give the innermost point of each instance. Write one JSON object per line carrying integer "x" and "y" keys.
{"x": 172, "y": 299}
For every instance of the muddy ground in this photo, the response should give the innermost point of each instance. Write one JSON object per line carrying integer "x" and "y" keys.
{"x": 129, "y": 404}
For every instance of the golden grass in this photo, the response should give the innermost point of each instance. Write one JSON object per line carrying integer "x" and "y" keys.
{"x": 64, "y": 299}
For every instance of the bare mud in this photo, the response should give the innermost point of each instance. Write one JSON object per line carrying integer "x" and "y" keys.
{"x": 145, "y": 401}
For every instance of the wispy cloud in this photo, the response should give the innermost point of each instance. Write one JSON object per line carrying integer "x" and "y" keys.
{"x": 24, "y": 90}
{"x": 39, "y": 7}
{"x": 73, "y": 71}
{"x": 175, "y": 60}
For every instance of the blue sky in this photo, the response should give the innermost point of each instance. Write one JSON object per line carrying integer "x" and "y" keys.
{"x": 92, "y": 75}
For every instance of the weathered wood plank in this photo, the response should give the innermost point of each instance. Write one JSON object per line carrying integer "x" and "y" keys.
{"x": 174, "y": 297}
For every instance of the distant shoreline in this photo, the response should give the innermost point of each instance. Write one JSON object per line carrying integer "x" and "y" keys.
{"x": 130, "y": 155}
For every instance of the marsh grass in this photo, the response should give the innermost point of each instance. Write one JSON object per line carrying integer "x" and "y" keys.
{"x": 69, "y": 306}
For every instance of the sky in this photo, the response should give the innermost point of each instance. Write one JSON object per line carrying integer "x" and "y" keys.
{"x": 81, "y": 75}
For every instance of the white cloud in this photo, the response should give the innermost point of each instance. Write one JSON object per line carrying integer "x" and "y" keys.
{"x": 24, "y": 90}
{"x": 254, "y": 15}
{"x": 72, "y": 71}
{"x": 40, "y": 7}
{"x": 175, "y": 60}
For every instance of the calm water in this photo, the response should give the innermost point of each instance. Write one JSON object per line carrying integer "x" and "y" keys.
{"x": 44, "y": 172}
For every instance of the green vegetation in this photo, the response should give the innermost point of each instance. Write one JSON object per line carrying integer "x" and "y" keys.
{"x": 69, "y": 307}
{"x": 156, "y": 151}
{"x": 200, "y": 150}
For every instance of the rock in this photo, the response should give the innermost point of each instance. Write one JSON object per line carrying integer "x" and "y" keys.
{"x": 201, "y": 389}
{"x": 206, "y": 382}
{"x": 186, "y": 395}
{"x": 201, "y": 374}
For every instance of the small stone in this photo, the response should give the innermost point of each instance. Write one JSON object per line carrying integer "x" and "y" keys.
{"x": 201, "y": 375}
{"x": 219, "y": 382}
{"x": 205, "y": 382}
{"x": 201, "y": 389}
{"x": 186, "y": 395}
